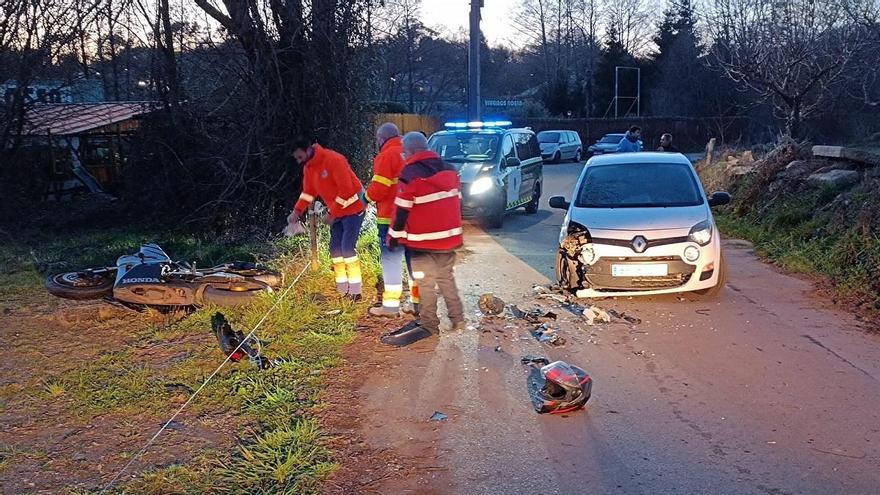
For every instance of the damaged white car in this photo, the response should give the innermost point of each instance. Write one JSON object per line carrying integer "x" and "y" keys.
{"x": 639, "y": 224}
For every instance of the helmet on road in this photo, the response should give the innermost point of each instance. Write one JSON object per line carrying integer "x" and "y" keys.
{"x": 559, "y": 387}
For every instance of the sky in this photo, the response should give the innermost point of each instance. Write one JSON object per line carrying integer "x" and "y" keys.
{"x": 451, "y": 17}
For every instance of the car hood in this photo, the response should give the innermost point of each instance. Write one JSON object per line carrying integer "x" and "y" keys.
{"x": 640, "y": 219}
{"x": 605, "y": 146}
{"x": 468, "y": 171}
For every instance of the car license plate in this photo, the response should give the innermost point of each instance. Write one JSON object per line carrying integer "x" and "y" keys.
{"x": 659, "y": 270}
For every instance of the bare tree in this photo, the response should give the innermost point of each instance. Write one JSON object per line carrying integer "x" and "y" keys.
{"x": 790, "y": 54}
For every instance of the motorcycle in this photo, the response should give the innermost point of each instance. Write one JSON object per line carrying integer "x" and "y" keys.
{"x": 151, "y": 278}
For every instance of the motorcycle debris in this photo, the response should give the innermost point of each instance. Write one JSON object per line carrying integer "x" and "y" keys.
{"x": 625, "y": 317}
{"x": 547, "y": 335}
{"x": 556, "y": 297}
{"x": 532, "y": 316}
{"x": 438, "y": 416}
{"x": 530, "y": 359}
{"x": 490, "y": 304}
{"x": 595, "y": 314}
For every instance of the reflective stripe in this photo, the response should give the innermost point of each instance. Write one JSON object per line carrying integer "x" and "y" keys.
{"x": 437, "y": 196}
{"x": 433, "y": 236}
{"x": 418, "y": 275}
{"x": 397, "y": 234}
{"x": 338, "y": 260}
{"x": 306, "y": 197}
{"x": 398, "y": 288}
{"x": 384, "y": 180}
{"x": 350, "y": 260}
{"x": 354, "y": 279}
{"x": 346, "y": 202}
{"x": 391, "y": 303}
{"x": 342, "y": 280}
{"x": 403, "y": 203}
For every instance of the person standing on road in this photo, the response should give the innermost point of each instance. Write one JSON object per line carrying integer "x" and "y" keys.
{"x": 382, "y": 191}
{"x": 428, "y": 223}
{"x": 631, "y": 141}
{"x": 327, "y": 175}
{"x": 666, "y": 144}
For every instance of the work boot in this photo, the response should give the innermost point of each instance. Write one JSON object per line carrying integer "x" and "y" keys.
{"x": 407, "y": 337}
{"x": 384, "y": 312}
{"x": 410, "y": 309}
{"x": 409, "y": 326}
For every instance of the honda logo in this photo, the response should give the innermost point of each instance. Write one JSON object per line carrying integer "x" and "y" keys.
{"x": 639, "y": 244}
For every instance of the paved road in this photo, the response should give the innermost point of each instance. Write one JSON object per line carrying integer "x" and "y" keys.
{"x": 762, "y": 390}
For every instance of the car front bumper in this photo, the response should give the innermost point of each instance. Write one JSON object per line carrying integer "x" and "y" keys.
{"x": 479, "y": 205}
{"x": 682, "y": 275}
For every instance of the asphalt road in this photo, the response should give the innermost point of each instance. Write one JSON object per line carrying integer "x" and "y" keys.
{"x": 764, "y": 389}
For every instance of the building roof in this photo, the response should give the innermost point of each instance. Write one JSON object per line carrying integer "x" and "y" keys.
{"x": 62, "y": 119}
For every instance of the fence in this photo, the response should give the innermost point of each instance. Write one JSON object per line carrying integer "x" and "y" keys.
{"x": 689, "y": 134}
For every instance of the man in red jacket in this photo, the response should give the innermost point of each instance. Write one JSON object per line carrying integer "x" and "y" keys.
{"x": 428, "y": 223}
{"x": 382, "y": 191}
{"x": 327, "y": 175}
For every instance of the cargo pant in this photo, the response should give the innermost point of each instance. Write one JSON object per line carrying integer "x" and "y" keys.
{"x": 392, "y": 274}
{"x": 433, "y": 273}
{"x": 344, "y": 234}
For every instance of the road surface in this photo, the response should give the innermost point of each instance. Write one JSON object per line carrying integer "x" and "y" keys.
{"x": 762, "y": 390}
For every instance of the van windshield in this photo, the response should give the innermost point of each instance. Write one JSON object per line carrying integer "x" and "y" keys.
{"x": 639, "y": 185}
{"x": 548, "y": 137}
{"x": 465, "y": 146}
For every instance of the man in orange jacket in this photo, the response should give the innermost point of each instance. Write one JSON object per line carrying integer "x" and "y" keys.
{"x": 327, "y": 175}
{"x": 382, "y": 191}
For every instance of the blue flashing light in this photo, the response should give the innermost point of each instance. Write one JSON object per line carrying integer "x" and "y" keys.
{"x": 478, "y": 124}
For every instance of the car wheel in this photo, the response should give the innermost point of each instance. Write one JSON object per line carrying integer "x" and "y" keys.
{"x": 577, "y": 156}
{"x": 532, "y": 206}
{"x": 557, "y": 157}
{"x": 722, "y": 280}
{"x": 495, "y": 219}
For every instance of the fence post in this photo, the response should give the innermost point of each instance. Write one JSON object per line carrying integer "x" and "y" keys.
{"x": 313, "y": 237}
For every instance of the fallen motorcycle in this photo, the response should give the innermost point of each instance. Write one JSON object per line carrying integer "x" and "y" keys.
{"x": 151, "y": 278}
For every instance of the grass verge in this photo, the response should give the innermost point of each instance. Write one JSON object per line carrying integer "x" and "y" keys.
{"x": 280, "y": 445}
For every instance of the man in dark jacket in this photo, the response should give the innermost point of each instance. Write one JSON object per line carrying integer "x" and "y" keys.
{"x": 666, "y": 144}
{"x": 428, "y": 223}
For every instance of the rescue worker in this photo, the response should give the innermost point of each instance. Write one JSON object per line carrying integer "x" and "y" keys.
{"x": 327, "y": 175}
{"x": 382, "y": 191}
{"x": 428, "y": 223}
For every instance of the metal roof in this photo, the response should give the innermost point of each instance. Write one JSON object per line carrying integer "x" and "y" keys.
{"x": 62, "y": 119}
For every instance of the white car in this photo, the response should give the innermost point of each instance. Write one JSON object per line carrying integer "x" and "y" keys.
{"x": 639, "y": 224}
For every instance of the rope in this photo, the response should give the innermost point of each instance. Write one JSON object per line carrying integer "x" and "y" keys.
{"x": 191, "y": 397}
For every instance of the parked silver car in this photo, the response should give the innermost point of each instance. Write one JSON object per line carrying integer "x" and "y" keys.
{"x": 607, "y": 144}
{"x": 557, "y": 146}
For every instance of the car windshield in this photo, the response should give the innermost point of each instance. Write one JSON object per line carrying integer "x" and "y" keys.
{"x": 465, "y": 146}
{"x": 611, "y": 138}
{"x": 548, "y": 137}
{"x": 639, "y": 185}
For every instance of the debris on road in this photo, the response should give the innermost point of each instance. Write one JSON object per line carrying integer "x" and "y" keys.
{"x": 557, "y": 387}
{"x": 438, "y": 416}
{"x": 234, "y": 344}
{"x": 497, "y": 348}
{"x": 556, "y": 297}
{"x": 625, "y": 317}
{"x": 547, "y": 335}
{"x": 595, "y": 314}
{"x": 533, "y": 315}
{"x": 490, "y": 304}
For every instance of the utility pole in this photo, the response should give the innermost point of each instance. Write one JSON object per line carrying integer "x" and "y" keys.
{"x": 474, "y": 102}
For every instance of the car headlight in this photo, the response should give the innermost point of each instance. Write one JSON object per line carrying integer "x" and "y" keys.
{"x": 481, "y": 185}
{"x": 701, "y": 233}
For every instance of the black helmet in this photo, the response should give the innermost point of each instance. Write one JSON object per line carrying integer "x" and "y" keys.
{"x": 558, "y": 387}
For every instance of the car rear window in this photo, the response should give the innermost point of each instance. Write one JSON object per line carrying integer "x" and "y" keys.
{"x": 639, "y": 185}
{"x": 548, "y": 137}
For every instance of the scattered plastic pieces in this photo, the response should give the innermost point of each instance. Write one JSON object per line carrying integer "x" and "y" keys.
{"x": 491, "y": 305}
{"x": 625, "y": 317}
{"x": 595, "y": 314}
{"x": 438, "y": 416}
{"x": 556, "y": 297}
{"x": 540, "y": 289}
{"x": 533, "y": 315}
{"x": 547, "y": 335}
{"x": 557, "y": 387}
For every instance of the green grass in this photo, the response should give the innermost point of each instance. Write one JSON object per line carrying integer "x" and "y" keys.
{"x": 281, "y": 447}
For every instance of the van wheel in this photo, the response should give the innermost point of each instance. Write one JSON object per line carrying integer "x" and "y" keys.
{"x": 711, "y": 292}
{"x": 495, "y": 219}
{"x": 557, "y": 157}
{"x": 577, "y": 156}
{"x": 532, "y": 206}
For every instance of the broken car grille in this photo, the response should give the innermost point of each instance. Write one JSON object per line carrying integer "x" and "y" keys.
{"x": 678, "y": 273}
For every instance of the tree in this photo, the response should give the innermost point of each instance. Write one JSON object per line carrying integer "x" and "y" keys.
{"x": 789, "y": 54}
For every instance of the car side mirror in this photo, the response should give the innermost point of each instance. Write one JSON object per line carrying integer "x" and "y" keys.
{"x": 559, "y": 202}
{"x": 512, "y": 162}
{"x": 719, "y": 198}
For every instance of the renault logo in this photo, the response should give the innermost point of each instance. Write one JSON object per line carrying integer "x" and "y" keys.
{"x": 639, "y": 244}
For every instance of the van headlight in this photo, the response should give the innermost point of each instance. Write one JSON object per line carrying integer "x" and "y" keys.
{"x": 701, "y": 233}
{"x": 481, "y": 185}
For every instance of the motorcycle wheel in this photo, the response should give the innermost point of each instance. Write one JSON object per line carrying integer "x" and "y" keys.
{"x": 257, "y": 272}
{"x": 234, "y": 294}
{"x": 80, "y": 285}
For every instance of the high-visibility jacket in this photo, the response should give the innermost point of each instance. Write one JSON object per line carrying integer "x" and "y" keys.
{"x": 328, "y": 175}
{"x": 429, "y": 193}
{"x": 383, "y": 187}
